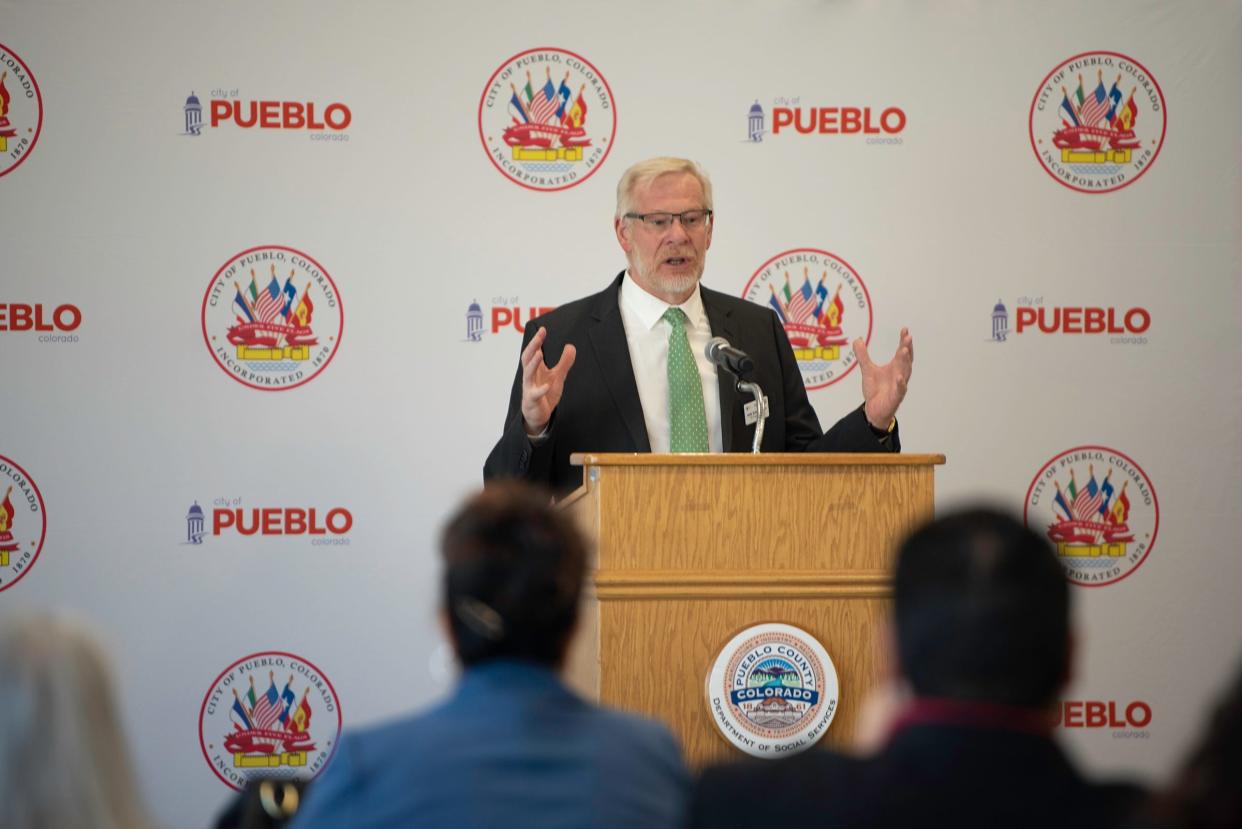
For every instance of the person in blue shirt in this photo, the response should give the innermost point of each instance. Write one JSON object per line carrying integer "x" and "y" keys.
{"x": 512, "y": 746}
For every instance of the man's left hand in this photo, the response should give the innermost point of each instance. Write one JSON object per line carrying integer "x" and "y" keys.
{"x": 884, "y": 387}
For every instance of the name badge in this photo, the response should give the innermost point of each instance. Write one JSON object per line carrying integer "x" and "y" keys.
{"x": 751, "y": 410}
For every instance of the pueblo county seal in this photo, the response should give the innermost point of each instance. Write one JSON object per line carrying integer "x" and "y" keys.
{"x": 772, "y": 690}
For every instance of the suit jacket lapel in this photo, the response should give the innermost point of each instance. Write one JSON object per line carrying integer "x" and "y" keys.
{"x": 721, "y": 322}
{"x": 612, "y": 354}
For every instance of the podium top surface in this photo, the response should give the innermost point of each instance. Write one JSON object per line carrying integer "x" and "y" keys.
{"x": 750, "y": 459}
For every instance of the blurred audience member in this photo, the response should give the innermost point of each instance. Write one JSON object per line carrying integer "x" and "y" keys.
{"x": 981, "y": 623}
{"x": 63, "y": 758}
{"x": 1207, "y": 792}
{"x": 512, "y": 746}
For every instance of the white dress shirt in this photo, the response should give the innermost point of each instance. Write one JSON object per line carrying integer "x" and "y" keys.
{"x": 646, "y": 334}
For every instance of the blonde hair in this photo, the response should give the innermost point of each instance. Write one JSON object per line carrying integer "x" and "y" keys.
{"x": 645, "y": 171}
{"x": 63, "y": 758}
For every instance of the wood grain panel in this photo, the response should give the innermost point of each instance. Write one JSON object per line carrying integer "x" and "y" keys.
{"x": 582, "y": 661}
{"x": 707, "y": 584}
{"x": 689, "y": 550}
{"x": 746, "y": 459}
{"x": 765, "y": 517}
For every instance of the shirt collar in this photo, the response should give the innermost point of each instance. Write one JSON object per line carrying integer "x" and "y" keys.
{"x": 650, "y": 309}
{"x": 509, "y": 675}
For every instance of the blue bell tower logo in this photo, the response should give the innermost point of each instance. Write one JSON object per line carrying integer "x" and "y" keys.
{"x": 474, "y": 323}
{"x": 1000, "y": 322}
{"x": 755, "y": 123}
{"x": 194, "y": 524}
{"x": 193, "y": 115}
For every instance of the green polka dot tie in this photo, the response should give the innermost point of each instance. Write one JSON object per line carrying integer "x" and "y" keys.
{"x": 687, "y": 417}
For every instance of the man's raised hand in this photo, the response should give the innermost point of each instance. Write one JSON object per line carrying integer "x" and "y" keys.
{"x": 542, "y": 386}
{"x": 884, "y": 387}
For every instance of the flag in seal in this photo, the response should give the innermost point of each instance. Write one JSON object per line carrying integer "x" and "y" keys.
{"x": 547, "y": 119}
{"x": 1099, "y": 509}
{"x": 21, "y": 111}
{"x": 823, "y": 304}
{"x": 23, "y": 523}
{"x": 272, "y": 318}
{"x": 772, "y": 690}
{"x": 1097, "y": 122}
{"x": 269, "y": 714}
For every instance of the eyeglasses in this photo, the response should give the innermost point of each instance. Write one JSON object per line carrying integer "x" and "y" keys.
{"x": 690, "y": 219}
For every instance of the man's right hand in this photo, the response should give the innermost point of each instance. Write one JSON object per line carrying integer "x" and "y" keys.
{"x": 542, "y": 386}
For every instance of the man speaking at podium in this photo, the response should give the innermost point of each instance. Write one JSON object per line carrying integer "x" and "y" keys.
{"x": 644, "y": 382}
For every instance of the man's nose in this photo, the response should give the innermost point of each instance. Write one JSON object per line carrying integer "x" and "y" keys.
{"x": 676, "y": 232}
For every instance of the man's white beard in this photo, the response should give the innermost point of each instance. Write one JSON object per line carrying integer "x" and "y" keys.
{"x": 668, "y": 283}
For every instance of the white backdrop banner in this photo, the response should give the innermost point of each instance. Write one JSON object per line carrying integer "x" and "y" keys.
{"x": 265, "y": 269}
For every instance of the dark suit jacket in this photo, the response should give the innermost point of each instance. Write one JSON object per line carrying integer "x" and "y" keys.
{"x": 600, "y": 410}
{"x": 929, "y": 775}
{"x": 512, "y": 747}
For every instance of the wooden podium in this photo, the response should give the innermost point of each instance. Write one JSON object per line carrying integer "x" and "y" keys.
{"x": 690, "y": 549}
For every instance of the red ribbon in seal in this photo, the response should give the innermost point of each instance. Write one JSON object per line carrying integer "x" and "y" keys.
{"x": 1086, "y": 532}
{"x": 244, "y": 741}
{"x": 528, "y": 135}
{"x": 257, "y": 334}
{"x": 824, "y": 336}
{"x": 1094, "y": 138}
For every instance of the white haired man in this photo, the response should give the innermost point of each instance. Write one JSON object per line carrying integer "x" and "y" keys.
{"x": 644, "y": 383}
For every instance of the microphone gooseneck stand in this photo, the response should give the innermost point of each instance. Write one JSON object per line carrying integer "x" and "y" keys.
{"x": 739, "y": 364}
{"x": 761, "y": 410}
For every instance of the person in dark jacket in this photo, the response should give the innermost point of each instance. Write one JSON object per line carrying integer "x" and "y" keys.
{"x": 981, "y": 618}
{"x": 644, "y": 382}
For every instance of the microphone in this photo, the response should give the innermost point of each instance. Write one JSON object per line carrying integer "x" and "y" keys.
{"x": 735, "y": 361}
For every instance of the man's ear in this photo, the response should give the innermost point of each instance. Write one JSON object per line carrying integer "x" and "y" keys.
{"x": 623, "y": 234}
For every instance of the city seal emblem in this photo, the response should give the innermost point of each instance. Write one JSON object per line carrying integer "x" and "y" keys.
{"x": 272, "y": 318}
{"x": 1099, "y": 510}
{"x": 823, "y": 305}
{"x": 1097, "y": 122}
{"x": 772, "y": 690}
{"x": 21, "y": 111}
{"x": 23, "y": 523}
{"x": 547, "y": 119}
{"x": 270, "y": 714}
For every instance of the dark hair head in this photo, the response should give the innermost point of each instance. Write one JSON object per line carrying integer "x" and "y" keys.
{"x": 982, "y": 610}
{"x": 513, "y": 574}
